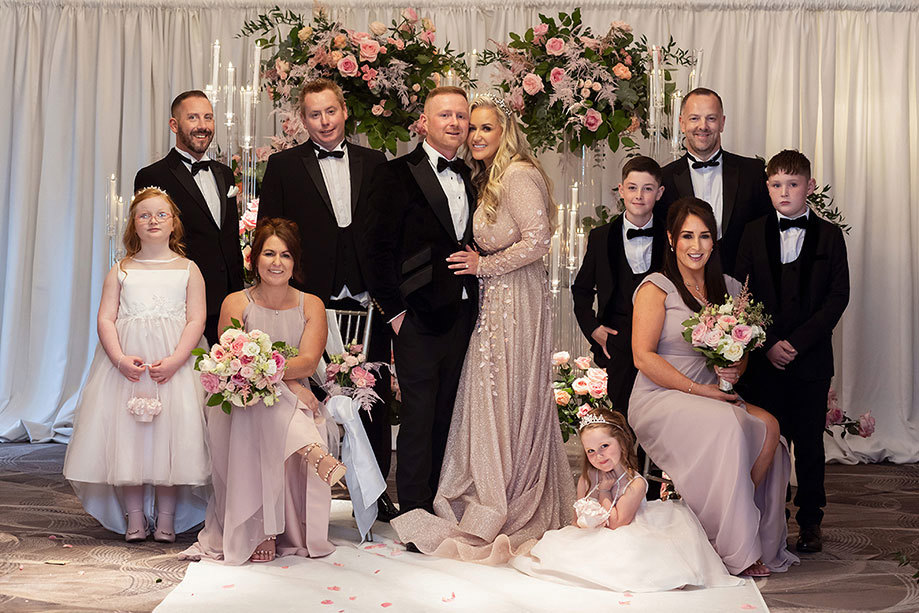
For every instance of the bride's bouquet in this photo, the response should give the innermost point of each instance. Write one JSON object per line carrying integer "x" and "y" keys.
{"x": 725, "y": 333}
{"x": 243, "y": 368}
{"x": 350, "y": 374}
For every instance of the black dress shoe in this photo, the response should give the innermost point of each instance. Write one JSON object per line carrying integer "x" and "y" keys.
{"x": 386, "y": 509}
{"x": 411, "y": 547}
{"x": 810, "y": 540}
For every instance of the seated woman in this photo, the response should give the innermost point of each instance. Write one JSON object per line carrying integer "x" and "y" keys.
{"x": 271, "y": 472}
{"x": 725, "y": 457}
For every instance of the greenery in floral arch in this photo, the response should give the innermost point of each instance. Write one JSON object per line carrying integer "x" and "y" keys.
{"x": 568, "y": 84}
{"x": 385, "y": 72}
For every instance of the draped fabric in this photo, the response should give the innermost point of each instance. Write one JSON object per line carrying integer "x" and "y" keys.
{"x": 87, "y": 92}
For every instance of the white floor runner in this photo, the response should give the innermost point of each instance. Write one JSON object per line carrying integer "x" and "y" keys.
{"x": 382, "y": 576}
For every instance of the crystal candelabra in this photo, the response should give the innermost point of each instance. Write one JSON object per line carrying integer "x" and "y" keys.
{"x": 115, "y": 220}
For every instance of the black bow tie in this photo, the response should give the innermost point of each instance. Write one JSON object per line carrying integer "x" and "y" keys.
{"x": 197, "y": 166}
{"x": 797, "y": 222}
{"x": 709, "y": 163}
{"x": 457, "y": 165}
{"x": 633, "y": 232}
{"x": 322, "y": 153}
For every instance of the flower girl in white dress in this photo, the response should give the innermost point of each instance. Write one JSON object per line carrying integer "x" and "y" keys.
{"x": 138, "y": 456}
{"x": 620, "y": 541}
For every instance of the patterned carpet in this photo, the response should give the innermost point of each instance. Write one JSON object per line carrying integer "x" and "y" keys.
{"x": 54, "y": 557}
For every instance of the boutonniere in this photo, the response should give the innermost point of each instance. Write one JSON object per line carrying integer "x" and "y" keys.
{"x": 232, "y": 192}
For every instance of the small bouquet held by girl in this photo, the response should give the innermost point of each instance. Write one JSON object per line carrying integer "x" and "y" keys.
{"x": 243, "y": 368}
{"x": 579, "y": 388}
{"x": 350, "y": 374}
{"x": 725, "y": 333}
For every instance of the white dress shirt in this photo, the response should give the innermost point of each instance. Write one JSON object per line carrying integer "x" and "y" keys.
{"x": 707, "y": 185}
{"x": 792, "y": 239}
{"x": 455, "y": 190}
{"x": 207, "y": 183}
{"x": 337, "y": 176}
{"x": 638, "y": 249}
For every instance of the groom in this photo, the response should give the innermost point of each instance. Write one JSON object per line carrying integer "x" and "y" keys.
{"x": 421, "y": 207}
{"x": 205, "y": 193}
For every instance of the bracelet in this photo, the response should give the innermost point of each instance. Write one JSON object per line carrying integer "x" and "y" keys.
{"x": 691, "y": 383}
{"x": 118, "y": 366}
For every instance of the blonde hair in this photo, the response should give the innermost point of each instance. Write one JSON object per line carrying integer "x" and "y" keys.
{"x": 617, "y": 427}
{"x": 130, "y": 239}
{"x": 512, "y": 148}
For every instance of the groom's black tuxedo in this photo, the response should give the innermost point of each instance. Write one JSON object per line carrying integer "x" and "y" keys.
{"x": 332, "y": 257}
{"x": 215, "y": 249}
{"x": 606, "y": 274}
{"x": 744, "y": 197}
{"x": 410, "y": 235}
{"x": 806, "y": 298}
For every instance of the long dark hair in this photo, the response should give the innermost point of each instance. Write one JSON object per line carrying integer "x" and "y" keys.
{"x": 677, "y": 214}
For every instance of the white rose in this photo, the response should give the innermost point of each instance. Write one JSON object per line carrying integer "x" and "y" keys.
{"x": 220, "y": 369}
{"x": 726, "y": 308}
{"x": 264, "y": 342}
{"x": 732, "y": 351}
{"x": 251, "y": 349}
{"x": 207, "y": 365}
{"x": 271, "y": 367}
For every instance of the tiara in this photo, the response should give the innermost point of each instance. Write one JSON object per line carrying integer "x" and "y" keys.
{"x": 497, "y": 101}
{"x": 595, "y": 419}
{"x": 156, "y": 187}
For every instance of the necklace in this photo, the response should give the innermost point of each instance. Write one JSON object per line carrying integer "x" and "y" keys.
{"x": 267, "y": 305}
{"x": 157, "y": 261}
{"x": 698, "y": 293}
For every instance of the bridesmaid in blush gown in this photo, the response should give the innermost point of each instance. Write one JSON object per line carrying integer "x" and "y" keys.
{"x": 725, "y": 457}
{"x": 271, "y": 472}
{"x": 505, "y": 479}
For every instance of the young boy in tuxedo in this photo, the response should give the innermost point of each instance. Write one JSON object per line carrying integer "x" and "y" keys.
{"x": 797, "y": 267}
{"x": 619, "y": 255}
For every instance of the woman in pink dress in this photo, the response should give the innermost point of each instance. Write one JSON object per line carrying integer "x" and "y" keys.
{"x": 271, "y": 470}
{"x": 725, "y": 456}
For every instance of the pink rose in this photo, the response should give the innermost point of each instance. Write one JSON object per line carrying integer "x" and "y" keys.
{"x": 428, "y": 25}
{"x": 331, "y": 370}
{"x": 218, "y": 353}
{"x": 335, "y": 57}
{"x": 621, "y": 26}
{"x": 742, "y": 333}
{"x": 249, "y": 219}
{"x": 245, "y": 360}
{"x": 562, "y": 398}
{"x": 713, "y": 337}
{"x": 636, "y": 123}
{"x": 247, "y": 372}
{"x": 590, "y": 43}
{"x": 622, "y": 71}
{"x": 262, "y": 153}
{"x": 581, "y": 386}
{"x": 357, "y": 347}
{"x": 410, "y": 15}
{"x": 555, "y": 46}
{"x": 418, "y": 127}
{"x": 556, "y": 76}
{"x": 238, "y": 380}
{"x": 340, "y": 41}
{"x": 347, "y": 66}
{"x": 582, "y": 362}
{"x": 282, "y": 67}
{"x": 357, "y": 37}
{"x": 359, "y": 376}
{"x": 237, "y": 346}
{"x": 726, "y": 321}
{"x": 833, "y": 417}
{"x": 515, "y": 99}
{"x": 262, "y": 383}
{"x": 597, "y": 389}
{"x": 532, "y": 84}
{"x": 597, "y": 374}
{"x": 541, "y": 29}
{"x": 698, "y": 334}
{"x": 351, "y": 360}
{"x": 427, "y": 36}
{"x": 627, "y": 59}
{"x": 369, "y": 50}
{"x": 865, "y": 425}
{"x": 400, "y": 44}
{"x": 211, "y": 382}
{"x": 585, "y": 92}
{"x": 247, "y": 257}
{"x": 560, "y": 357}
{"x": 584, "y": 410}
{"x": 592, "y": 120}
{"x": 279, "y": 360}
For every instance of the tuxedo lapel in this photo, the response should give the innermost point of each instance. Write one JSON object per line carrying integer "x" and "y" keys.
{"x": 183, "y": 175}
{"x": 355, "y": 169}
{"x": 809, "y": 251}
{"x": 311, "y": 163}
{"x": 473, "y": 201}
{"x": 774, "y": 257}
{"x": 221, "y": 191}
{"x": 730, "y": 180}
{"x": 434, "y": 194}
{"x": 658, "y": 244}
{"x": 682, "y": 179}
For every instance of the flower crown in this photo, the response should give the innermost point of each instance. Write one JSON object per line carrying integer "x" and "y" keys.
{"x": 497, "y": 101}
{"x": 589, "y": 419}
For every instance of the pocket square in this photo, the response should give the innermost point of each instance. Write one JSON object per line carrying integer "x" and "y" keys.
{"x": 232, "y": 192}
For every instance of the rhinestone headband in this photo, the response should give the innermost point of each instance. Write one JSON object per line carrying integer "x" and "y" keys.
{"x": 498, "y": 102}
{"x": 156, "y": 187}
{"x": 595, "y": 419}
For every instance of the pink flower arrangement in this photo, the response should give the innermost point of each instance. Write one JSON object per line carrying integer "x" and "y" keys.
{"x": 622, "y": 71}
{"x": 556, "y": 76}
{"x": 592, "y": 120}
{"x": 555, "y": 46}
{"x": 578, "y": 388}
{"x": 247, "y": 223}
{"x": 243, "y": 368}
{"x": 347, "y": 66}
{"x": 582, "y": 362}
{"x": 532, "y": 84}
{"x": 349, "y": 374}
{"x": 541, "y": 29}
{"x": 836, "y": 417}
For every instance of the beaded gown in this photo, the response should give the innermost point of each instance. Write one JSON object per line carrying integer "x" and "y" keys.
{"x": 708, "y": 448}
{"x": 505, "y": 479}
{"x": 109, "y": 447}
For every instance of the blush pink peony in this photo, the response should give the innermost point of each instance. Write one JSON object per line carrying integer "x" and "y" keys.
{"x": 592, "y": 120}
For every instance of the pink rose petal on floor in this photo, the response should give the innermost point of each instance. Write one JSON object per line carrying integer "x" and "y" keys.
{"x": 52, "y": 537}
{"x": 449, "y": 598}
{"x": 747, "y": 607}
{"x": 229, "y": 586}
{"x": 624, "y": 602}
{"x": 398, "y": 542}
{"x": 326, "y": 602}
{"x": 21, "y": 567}
{"x": 352, "y": 597}
{"x": 334, "y": 588}
{"x": 376, "y": 571}
{"x": 375, "y": 546}
{"x": 385, "y": 604}
{"x": 67, "y": 546}
{"x": 339, "y": 564}
{"x": 396, "y": 552}
{"x": 628, "y": 594}
{"x": 285, "y": 567}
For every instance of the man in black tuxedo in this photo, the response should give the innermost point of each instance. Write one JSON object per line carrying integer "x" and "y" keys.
{"x": 798, "y": 269}
{"x": 422, "y": 206}
{"x": 734, "y": 186}
{"x": 323, "y": 186}
{"x": 619, "y": 255}
{"x": 205, "y": 193}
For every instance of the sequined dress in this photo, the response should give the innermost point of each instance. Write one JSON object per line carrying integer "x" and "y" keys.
{"x": 505, "y": 479}
{"x": 109, "y": 448}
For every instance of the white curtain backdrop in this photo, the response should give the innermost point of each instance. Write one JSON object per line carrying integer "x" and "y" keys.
{"x": 87, "y": 85}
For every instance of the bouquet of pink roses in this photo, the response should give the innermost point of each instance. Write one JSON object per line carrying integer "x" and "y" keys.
{"x": 243, "y": 368}
{"x": 725, "y": 333}
{"x": 578, "y": 389}
{"x": 350, "y": 374}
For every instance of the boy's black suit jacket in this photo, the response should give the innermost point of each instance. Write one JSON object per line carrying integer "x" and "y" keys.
{"x": 214, "y": 249}
{"x": 744, "y": 197}
{"x": 294, "y": 188}
{"x": 820, "y": 298}
{"x": 603, "y": 269}
{"x": 409, "y": 236}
